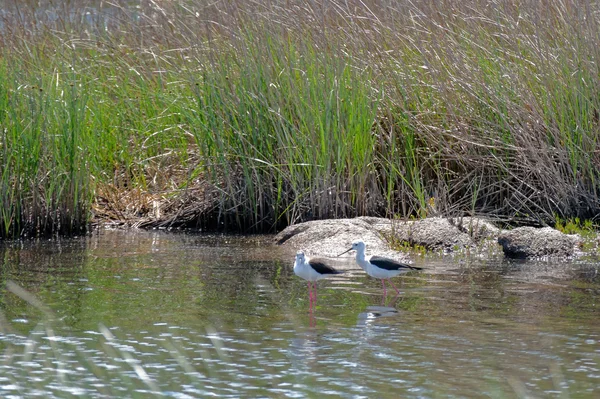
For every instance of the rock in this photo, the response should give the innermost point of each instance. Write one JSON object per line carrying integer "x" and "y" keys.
{"x": 446, "y": 234}
{"x": 479, "y": 229}
{"x": 531, "y": 242}
{"x": 331, "y": 237}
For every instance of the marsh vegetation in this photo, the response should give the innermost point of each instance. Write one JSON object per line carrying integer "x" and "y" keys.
{"x": 253, "y": 115}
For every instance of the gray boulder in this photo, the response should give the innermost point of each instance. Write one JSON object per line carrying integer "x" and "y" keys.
{"x": 531, "y": 242}
{"x": 447, "y": 234}
{"x": 331, "y": 237}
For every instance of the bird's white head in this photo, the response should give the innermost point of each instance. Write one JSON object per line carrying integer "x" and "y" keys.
{"x": 359, "y": 246}
{"x": 300, "y": 256}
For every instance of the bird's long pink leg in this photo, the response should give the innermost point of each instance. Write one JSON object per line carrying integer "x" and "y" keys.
{"x": 315, "y": 285}
{"x": 383, "y": 283}
{"x": 309, "y": 292}
{"x": 397, "y": 292}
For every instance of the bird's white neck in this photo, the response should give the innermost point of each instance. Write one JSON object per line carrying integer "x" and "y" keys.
{"x": 360, "y": 259}
{"x": 360, "y": 254}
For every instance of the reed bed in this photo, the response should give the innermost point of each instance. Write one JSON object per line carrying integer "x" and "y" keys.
{"x": 254, "y": 115}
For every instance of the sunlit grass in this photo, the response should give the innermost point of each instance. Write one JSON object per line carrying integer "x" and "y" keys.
{"x": 295, "y": 113}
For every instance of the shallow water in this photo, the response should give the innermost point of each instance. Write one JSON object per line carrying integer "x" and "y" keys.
{"x": 128, "y": 314}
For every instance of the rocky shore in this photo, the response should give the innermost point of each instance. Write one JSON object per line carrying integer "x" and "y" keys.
{"x": 447, "y": 235}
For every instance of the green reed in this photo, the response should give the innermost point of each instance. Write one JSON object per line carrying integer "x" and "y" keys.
{"x": 296, "y": 130}
{"x": 301, "y": 113}
{"x": 45, "y": 179}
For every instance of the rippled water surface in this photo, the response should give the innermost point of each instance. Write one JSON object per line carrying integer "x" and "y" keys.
{"x": 132, "y": 314}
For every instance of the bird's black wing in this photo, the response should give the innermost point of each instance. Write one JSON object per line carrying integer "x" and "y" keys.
{"x": 390, "y": 264}
{"x": 321, "y": 267}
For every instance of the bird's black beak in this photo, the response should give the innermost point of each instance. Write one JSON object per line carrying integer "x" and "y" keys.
{"x": 345, "y": 252}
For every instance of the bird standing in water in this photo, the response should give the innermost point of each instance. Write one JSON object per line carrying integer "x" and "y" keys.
{"x": 312, "y": 270}
{"x": 378, "y": 266}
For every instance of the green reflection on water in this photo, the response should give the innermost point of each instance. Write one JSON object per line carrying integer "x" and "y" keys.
{"x": 212, "y": 312}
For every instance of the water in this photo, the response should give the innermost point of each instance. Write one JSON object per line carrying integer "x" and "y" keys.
{"x": 136, "y": 314}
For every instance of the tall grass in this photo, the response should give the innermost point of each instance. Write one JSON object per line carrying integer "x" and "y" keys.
{"x": 292, "y": 111}
{"x": 44, "y": 186}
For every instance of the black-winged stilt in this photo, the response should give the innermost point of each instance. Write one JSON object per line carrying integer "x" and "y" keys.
{"x": 378, "y": 266}
{"x": 312, "y": 270}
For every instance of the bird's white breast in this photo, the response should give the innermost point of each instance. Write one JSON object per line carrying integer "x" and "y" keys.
{"x": 306, "y": 272}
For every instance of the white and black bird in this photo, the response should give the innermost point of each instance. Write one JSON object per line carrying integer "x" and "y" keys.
{"x": 378, "y": 266}
{"x": 312, "y": 270}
